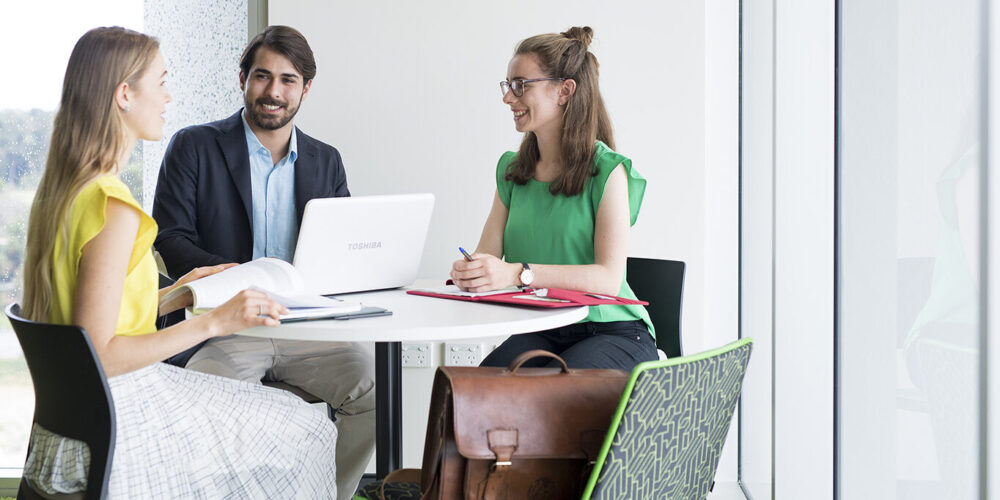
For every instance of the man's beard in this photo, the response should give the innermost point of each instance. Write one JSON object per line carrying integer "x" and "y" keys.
{"x": 268, "y": 122}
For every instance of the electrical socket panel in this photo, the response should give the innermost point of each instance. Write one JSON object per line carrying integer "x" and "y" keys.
{"x": 462, "y": 353}
{"x": 416, "y": 355}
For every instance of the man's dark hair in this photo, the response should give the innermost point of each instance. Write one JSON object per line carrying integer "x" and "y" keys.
{"x": 286, "y": 41}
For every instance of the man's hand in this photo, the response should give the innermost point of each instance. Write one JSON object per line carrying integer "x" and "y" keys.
{"x": 200, "y": 272}
{"x": 186, "y": 299}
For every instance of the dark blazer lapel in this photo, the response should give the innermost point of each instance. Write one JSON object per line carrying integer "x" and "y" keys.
{"x": 233, "y": 143}
{"x": 306, "y": 174}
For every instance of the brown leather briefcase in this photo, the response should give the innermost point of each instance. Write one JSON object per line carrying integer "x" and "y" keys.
{"x": 516, "y": 433}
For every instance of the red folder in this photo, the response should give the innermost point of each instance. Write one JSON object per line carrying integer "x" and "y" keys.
{"x": 551, "y": 297}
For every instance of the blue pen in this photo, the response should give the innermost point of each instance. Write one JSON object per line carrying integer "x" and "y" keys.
{"x": 466, "y": 254}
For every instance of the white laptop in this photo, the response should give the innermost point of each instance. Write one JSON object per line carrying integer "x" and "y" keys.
{"x": 363, "y": 242}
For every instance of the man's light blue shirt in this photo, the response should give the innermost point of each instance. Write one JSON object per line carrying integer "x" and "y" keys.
{"x": 272, "y": 187}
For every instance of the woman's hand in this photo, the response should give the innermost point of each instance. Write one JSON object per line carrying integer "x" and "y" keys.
{"x": 484, "y": 273}
{"x": 247, "y": 309}
{"x": 185, "y": 300}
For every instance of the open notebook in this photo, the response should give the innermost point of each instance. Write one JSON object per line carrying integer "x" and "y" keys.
{"x": 275, "y": 277}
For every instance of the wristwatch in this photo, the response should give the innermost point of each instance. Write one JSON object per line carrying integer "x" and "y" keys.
{"x": 527, "y": 275}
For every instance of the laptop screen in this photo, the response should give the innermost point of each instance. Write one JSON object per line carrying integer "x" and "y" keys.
{"x": 362, "y": 243}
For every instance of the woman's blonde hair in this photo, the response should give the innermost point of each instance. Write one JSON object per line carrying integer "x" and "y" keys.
{"x": 585, "y": 120}
{"x": 88, "y": 138}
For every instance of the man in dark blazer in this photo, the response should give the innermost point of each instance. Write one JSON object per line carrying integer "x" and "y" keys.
{"x": 203, "y": 195}
{"x": 234, "y": 190}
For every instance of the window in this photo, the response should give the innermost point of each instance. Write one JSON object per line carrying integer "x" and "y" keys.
{"x": 27, "y": 107}
{"x": 911, "y": 154}
{"x": 201, "y": 43}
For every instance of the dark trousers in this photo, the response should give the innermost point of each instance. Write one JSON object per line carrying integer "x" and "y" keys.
{"x": 617, "y": 344}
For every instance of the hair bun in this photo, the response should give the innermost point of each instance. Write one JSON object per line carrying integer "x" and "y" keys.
{"x": 583, "y": 35}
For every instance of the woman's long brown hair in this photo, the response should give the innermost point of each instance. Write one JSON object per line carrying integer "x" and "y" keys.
{"x": 585, "y": 120}
{"x": 88, "y": 138}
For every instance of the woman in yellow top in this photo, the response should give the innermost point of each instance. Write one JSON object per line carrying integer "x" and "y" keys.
{"x": 89, "y": 263}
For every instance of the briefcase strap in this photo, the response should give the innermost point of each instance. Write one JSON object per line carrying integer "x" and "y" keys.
{"x": 536, "y": 353}
{"x": 503, "y": 443}
{"x": 398, "y": 476}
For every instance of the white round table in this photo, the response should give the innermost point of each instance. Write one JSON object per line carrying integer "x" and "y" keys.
{"x": 415, "y": 318}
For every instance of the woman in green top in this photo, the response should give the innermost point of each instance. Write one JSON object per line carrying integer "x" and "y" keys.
{"x": 563, "y": 208}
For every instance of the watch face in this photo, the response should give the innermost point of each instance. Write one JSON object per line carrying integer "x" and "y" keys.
{"x": 527, "y": 276}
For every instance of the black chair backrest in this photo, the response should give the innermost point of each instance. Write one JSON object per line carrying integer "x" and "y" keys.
{"x": 72, "y": 397}
{"x": 661, "y": 283}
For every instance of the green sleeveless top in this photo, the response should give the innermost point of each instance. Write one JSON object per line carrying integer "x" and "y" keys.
{"x": 543, "y": 228}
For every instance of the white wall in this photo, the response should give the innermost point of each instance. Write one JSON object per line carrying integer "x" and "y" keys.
{"x": 408, "y": 92}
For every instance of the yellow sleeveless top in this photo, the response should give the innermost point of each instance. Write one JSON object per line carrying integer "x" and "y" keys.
{"x": 138, "y": 311}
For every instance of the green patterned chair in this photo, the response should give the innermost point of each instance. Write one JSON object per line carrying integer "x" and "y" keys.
{"x": 667, "y": 435}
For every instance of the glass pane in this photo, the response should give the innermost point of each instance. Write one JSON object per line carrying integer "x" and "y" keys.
{"x": 909, "y": 145}
{"x": 27, "y": 107}
{"x": 24, "y": 137}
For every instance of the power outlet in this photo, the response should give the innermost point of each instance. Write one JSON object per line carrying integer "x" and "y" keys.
{"x": 416, "y": 355}
{"x": 462, "y": 353}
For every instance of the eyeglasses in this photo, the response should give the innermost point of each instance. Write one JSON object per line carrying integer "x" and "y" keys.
{"x": 517, "y": 85}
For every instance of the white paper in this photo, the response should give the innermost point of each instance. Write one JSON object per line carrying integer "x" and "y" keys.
{"x": 307, "y": 306}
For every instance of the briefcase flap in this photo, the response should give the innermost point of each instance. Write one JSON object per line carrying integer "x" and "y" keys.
{"x": 555, "y": 414}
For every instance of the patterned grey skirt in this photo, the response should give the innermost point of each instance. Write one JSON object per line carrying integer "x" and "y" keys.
{"x": 184, "y": 434}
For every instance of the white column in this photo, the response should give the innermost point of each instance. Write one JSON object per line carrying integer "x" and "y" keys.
{"x": 757, "y": 245}
{"x": 803, "y": 249}
{"x": 990, "y": 460}
{"x": 788, "y": 247}
{"x": 721, "y": 195}
{"x": 201, "y": 43}
{"x": 868, "y": 249}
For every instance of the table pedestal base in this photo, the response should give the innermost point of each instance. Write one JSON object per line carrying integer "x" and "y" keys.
{"x": 388, "y": 407}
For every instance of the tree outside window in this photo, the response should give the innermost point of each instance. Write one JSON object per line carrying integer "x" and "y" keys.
{"x": 27, "y": 108}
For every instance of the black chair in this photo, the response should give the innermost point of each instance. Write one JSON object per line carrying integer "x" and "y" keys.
{"x": 72, "y": 397}
{"x": 661, "y": 283}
